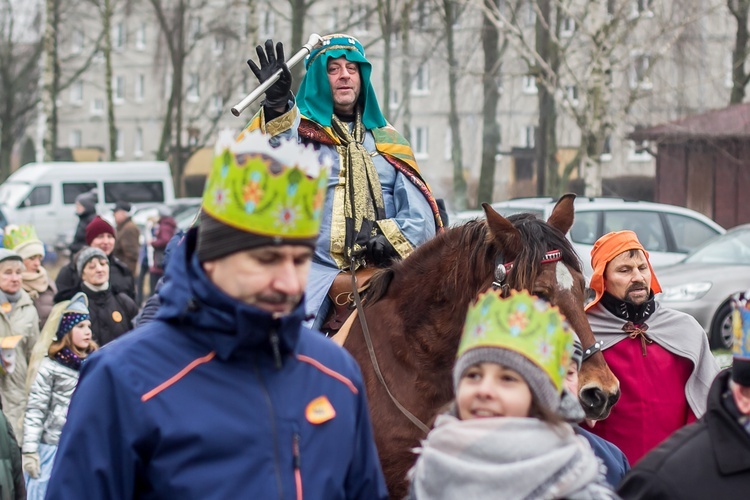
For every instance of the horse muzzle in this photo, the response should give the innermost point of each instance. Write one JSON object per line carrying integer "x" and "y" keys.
{"x": 596, "y": 402}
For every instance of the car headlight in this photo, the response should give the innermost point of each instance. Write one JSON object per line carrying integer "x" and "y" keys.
{"x": 685, "y": 293}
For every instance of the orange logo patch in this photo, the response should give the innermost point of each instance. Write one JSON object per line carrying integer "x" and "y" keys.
{"x": 116, "y": 316}
{"x": 319, "y": 410}
{"x": 6, "y": 307}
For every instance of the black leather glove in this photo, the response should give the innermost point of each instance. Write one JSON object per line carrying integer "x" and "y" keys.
{"x": 278, "y": 94}
{"x": 379, "y": 251}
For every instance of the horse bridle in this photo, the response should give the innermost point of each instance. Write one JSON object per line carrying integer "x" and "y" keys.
{"x": 502, "y": 269}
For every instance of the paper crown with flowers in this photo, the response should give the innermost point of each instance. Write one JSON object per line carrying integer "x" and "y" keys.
{"x": 266, "y": 190}
{"x": 16, "y": 236}
{"x": 524, "y": 324}
{"x": 741, "y": 329}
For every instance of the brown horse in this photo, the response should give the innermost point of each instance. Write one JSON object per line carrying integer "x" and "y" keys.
{"x": 416, "y": 308}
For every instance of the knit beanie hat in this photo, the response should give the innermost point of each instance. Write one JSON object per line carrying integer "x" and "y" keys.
{"x": 87, "y": 200}
{"x": 23, "y": 240}
{"x": 7, "y": 254}
{"x": 122, "y": 205}
{"x": 96, "y": 227}
{"x": 741, "y": 346}
{"x": 258, "y": 195}
{"x": 75, "y": 312}
{"x": 523, "y": 333}
{"x": 85, "y": 255}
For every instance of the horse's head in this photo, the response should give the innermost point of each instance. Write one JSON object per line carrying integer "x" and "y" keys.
{"x": 534, "y": 255}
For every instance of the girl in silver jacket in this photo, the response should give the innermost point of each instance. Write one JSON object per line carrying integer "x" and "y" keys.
{"x": 49, "y": 397}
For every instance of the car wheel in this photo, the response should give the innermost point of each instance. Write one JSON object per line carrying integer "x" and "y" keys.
{"x": 722, "y": 336}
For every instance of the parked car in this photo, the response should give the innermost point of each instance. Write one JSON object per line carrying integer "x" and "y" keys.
{"x": 703, "y": 282}
{"x": 668, "y": 232}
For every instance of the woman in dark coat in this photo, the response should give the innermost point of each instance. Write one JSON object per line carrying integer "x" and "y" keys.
{"x": 112, "y": 312}
{"x": 86, "y": 211}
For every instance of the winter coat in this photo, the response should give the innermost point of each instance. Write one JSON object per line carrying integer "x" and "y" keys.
{"x": 24, "y": 321}
{"x": 708, "y": 459}
{"x": 79, "y": 239}
{"x": 127, "y": 244}
{"x": 199, "y": 404}
{"x": 112, "y": 314}
{"x": 165, "y": 230}
{"x": 47, "y": 407}
{"x": 43, "y": 301}
{"x": 12, "y": 485}
{"x": 69, "y": 280}
{"x": 612, "y": 457}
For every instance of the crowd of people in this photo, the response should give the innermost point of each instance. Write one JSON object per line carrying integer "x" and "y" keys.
{"x": 222, "y": 386}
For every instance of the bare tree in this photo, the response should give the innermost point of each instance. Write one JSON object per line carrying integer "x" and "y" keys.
{"x": 20, "y": 50}
{"x": 51, "y": 76}
{"x": 490, "y": 126}
{"x": 740, "y": 10}
{"x": 106, "y": 12}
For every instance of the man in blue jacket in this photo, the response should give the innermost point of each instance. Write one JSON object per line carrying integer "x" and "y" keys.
{"x": 226, "y": 394}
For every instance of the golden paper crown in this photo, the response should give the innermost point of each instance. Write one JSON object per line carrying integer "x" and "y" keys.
{"x": 524, "y": 324}
{"x": 267, "y": 190}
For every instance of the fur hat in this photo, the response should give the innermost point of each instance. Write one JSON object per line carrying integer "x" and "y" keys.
{"x": 97, "y": 227}
{"x": 75, "y": 312}
{"x": 523, "y": 333}
{"x": 85, "y": 255}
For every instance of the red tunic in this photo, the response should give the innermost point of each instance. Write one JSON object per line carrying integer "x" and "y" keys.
{"x": 653, "y": 403}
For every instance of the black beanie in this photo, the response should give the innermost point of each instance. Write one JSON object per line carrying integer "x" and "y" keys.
{"x": 217, "y": 240}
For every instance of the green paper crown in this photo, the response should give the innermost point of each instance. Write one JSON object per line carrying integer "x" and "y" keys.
{"x": 524, "y": 324}
{"x": 741, "y": 329}
{"x": 18, "y": 235}
{"x": 266, "y": 190}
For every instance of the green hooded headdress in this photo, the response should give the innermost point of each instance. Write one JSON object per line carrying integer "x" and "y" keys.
{"x": 314, "y": 96}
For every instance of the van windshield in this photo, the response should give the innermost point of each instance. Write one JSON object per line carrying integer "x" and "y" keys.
{"x": 13, "y": 193}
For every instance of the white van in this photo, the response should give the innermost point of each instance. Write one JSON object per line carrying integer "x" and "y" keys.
{"x": 43, "y": 194}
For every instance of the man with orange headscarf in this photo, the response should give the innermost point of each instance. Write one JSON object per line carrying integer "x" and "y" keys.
{"x": 661, "y": 356}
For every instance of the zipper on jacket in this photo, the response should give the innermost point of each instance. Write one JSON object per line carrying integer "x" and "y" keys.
{"x": 297, "y": 465}
{"x": 273, "y": 337}
{"x": 274, "y": 435}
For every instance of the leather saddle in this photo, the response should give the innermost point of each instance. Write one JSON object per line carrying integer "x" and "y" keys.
{"x": 342, "y": 297}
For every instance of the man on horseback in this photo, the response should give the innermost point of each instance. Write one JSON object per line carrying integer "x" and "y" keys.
{"x": 660, "y": 356}
{"x": 225, "y": 394}
{"x": 378, "y": 207}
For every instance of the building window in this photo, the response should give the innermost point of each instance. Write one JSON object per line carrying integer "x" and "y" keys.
{"x": 138, "y": 149}
{"x": 572, "y": 94}
{"x": 644, "y": 7}
{"x": 334, "y": 20}
{"x": 167, "y": 84}
{"x": 76, "y": 93}
{"x": 530, "y": 14}
{"x": 528, "y": 136}
{"x": 195, "y": 29}
{"x": 568, "y": 27}
{"x": 448, "y": 143}
{"x": 394, "y": 101}
{"x": 76, "y": 42}
{"x": 639, "y": 151}
{"x": 359, "y": 19}
{"x": 219, "y": 44}
{"x": 611, "y": 7}
{"x": 119, "y": 37}
{"x": 217, "y": 104}
{"x": 421, "y": 83}
{"x": 267, "y": 23}
{"x": 640, "y": 72}
{"x": 75, "y": 138}
{"x": 140, "y": 83}
{"x": 118, "y": 89}
{"x": 729, "y": 78}
{"x": 419, "y": 142}
{"x": 97, "y": 107}
{"x": 529, "y": 84}
{"x": 140, "y": 37}
{"x": 193, "y": 90}
{"x": 606, "y": 149}
{"x": 194, "y": 135}
{"x": 499, "y": 79}
{"x": 420, "y": 14}
{"x": 120, "y": 151}
{"x": 499, "y": 145}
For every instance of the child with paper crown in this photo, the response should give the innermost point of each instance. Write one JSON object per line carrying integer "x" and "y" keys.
{"x": 503, "y": 437}
{"x": 51, "y": 391}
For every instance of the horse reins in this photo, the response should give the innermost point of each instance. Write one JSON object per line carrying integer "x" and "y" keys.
{"x": 371, "y": 350}
{"x": 501, "y": 272}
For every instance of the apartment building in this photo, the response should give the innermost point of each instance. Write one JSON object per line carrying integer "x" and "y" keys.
{"x": 683, "y": 71}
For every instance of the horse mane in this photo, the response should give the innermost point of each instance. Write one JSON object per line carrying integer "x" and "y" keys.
{"x": 538, "y": 238}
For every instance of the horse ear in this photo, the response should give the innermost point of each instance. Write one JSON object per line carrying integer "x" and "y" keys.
{"x": 563, "y": 214}
{"x": 503, "y": 231}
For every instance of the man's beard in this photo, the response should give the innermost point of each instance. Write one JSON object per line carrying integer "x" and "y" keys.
{"x": 636, "y": 287}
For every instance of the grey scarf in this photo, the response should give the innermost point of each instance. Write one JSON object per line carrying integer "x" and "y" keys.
{"x": 509, "y": 458}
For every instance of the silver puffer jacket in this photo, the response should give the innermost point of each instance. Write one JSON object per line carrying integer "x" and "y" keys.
{"x": 47, "y": 407}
